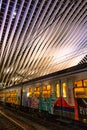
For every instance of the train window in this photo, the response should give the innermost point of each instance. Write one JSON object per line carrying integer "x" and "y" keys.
{"x": 29, "y": 94}
{"x": 37, "y": 91}
{"x": 57, "y": 90}
{"x": 30, "y": 89}
{"x": 85, "y": 83}
{"x": 78, "y": 83}
{"x": 44, "y": 88}
{"x": 64, "y": 89}
{"x": 48, "y": 87}
{"x": 80, "y": 92}
{"x": 46, "y": 91}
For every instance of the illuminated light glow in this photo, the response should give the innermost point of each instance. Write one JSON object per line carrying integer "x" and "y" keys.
{"x": 28, "y": 94}
{"x": 14, "y": 14}
{"x": 57, "y": 90}
{"x": 64, "y": 89}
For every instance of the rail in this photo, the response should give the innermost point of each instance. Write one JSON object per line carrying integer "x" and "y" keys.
{"x": 9, "y": 123}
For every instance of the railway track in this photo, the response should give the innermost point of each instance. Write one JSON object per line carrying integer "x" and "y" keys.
{"x": 8, "y": 123}
{"x": 13, "y": 121}
{"x": 49, "y": 123}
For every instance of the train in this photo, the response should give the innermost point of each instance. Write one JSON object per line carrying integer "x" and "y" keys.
{"x": 63, "y": 93}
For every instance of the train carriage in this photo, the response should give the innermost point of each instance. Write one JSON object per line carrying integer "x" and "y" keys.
{"x": 62, "y": 94}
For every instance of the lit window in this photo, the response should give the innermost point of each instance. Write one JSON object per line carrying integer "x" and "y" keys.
{"x": 57, "y": 90}
{"x": 29, "y": 93}
{"x": 80, "y": 92}
{"x": 48, "y": 87}
{"x": 46, "y": 91}
{"x": 78, "y": 83}
{"x": 64, "y": 89}
{"x": 44, "y": 88}
{"x": 37, "y": 91}
{"x": 85, "y": 83}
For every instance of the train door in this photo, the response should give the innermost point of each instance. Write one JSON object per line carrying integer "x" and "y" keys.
{"x": 68, "y": 105}
{"x": 64, "y": 105}
{"x": 80, "y": 93}
{"x": 58, "y": 102}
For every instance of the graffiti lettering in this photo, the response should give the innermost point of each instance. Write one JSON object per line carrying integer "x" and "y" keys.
{"x": 83, "y": 110}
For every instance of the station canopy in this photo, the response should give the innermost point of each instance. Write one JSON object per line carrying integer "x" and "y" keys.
{"x": 39, "y": 37}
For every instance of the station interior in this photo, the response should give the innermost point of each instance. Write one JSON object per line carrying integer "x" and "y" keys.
{"x": 43, "y": 54}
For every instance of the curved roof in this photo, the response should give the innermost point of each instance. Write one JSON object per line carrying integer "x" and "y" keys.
{"x": 38, "y": 37}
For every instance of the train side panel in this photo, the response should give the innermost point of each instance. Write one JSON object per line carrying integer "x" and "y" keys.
{"x": 65, "y": 96}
